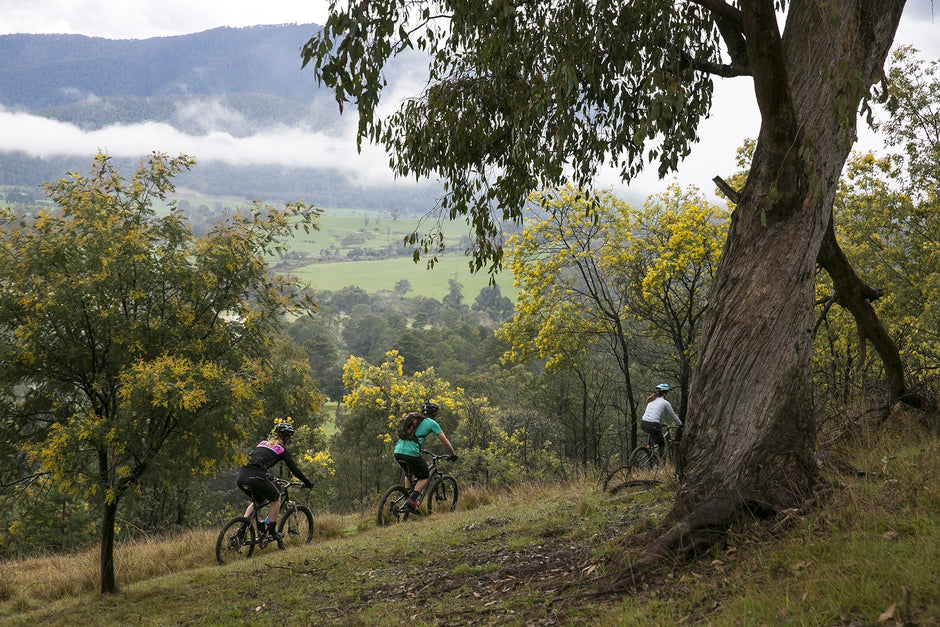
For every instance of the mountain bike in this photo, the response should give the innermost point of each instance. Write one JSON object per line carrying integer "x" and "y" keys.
{"x": 441, "y": 492}
{"x": 623, "y": 480}
{"x": 241, "y": 535}
{"x": 647, "y": 457}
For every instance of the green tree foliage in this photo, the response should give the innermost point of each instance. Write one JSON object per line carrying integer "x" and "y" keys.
{"x": 895, "y": 244}
{"x": 491, "y": 301}
{"x": 914, "y": 123}
{"x": 569, "y": 306}
{"x": 521, "y": 96}
{"x": 595, "y": 273}
{"x": 888, "y": 224}
{"x": 138, "y": 354}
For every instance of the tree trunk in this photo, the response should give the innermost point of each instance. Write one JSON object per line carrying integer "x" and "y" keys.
{"x": 750, "y": 421}
{"x": 108, "y": 582}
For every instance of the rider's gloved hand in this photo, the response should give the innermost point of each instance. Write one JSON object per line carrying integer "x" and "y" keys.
{"x": 308, "y": 485}
{"x": 453, "y": 458}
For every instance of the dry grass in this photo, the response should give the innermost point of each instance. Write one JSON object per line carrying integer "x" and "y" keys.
{"x": 56, "y": 576}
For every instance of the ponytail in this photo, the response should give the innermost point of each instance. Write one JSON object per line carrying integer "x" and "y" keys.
{"x": 651, "y": 397}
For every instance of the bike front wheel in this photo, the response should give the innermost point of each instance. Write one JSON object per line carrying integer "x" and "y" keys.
{"x": 236, "y": 541}
{"x": 392, "y": 506}
{"x": 296, "y": 526}
{"x": 442, "y": 496}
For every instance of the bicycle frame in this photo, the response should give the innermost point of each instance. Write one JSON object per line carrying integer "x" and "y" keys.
{"x": 668, "y": 430}
{"x": 242, "y": 534}
{"x": 433, "y": 472}
{"x": 439, "y": 493}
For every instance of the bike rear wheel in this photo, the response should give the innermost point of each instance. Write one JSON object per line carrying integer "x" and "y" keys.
{"x": 236, "y": 541}
{"x": 643, "y": 458}
{"x": 391, "y": 507}
{"x": 296, "y": 526}
{"x": 442, "y": 496}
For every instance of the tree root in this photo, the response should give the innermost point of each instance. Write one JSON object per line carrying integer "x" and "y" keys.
{"x": 706, "y": 525}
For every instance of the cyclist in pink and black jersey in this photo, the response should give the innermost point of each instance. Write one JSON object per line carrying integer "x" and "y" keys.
{"x": 253, "y": 478}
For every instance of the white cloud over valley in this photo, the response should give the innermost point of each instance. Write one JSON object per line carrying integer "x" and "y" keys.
{"x": 277, "y": 145}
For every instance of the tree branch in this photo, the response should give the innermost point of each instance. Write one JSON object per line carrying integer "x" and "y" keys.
{"x": 730, "y": 23}
{"x": 726, "y": 189}
{"x": 856, "y": 296}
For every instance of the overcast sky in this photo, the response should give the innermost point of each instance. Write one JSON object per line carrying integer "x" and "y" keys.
{"x": 139, "y": 19}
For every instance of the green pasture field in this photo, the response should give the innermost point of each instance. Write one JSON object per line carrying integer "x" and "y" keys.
{"x": 373, "y": 276}
{"x": 342, "y": 231}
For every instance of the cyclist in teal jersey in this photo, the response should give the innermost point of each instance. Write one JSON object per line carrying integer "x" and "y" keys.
{"x": 408, "y": 452}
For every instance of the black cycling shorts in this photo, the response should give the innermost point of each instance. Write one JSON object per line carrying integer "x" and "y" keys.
{"x": 256, "y": 483}
{"x": 413, "y": 466}
{"x": 655, "y": 430}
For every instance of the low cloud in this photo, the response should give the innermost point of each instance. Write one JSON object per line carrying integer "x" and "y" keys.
{"x": 290, "y": 147}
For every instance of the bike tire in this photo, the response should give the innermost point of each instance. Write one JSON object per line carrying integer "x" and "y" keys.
{"x": 442, "y": 496}
{"x": 229, "y": 547}
{"x": 642, "y": 459}
{"x": 295, "y": 526}
{"x": 390, "y": 507}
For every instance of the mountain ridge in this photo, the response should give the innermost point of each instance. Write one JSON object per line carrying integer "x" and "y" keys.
{"x": 233, "y": 81}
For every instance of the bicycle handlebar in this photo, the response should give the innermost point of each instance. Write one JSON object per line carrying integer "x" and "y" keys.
{"x": 284, "y": 483}
{"x": 435, "y": 456}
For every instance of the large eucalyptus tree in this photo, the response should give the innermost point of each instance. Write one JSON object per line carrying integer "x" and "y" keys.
{"x": 523, "y": 95}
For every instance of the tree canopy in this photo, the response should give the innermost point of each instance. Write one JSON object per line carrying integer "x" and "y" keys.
{"x": 523, "y": 96}
{"x": 135, "y": 353}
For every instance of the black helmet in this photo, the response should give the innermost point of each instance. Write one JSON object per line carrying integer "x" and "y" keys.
{"x": 429, "y": 408}
{"x": 284, "y": 429}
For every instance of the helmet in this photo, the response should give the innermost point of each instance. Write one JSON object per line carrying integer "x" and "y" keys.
{"x": 429, "y": 408}
{"x": 662, "y": 387}
{"x": 285, "y": 429}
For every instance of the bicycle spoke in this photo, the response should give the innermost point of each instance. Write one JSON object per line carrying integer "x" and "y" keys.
{"x": 296, "y": 526}
{"x": 442, "y": 497}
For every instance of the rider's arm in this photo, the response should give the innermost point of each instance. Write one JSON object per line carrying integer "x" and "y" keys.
{"x": 446, "y": 443}
{"x": 672, "y": 412}
{"x": 295, "y": 470}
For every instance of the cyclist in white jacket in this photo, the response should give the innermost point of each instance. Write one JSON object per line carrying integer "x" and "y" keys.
{"x": 656, "y": 406}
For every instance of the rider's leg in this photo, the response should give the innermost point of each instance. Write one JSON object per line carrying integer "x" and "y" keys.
{"x": 273, "y": 510}
{"x": 660, "y": 442}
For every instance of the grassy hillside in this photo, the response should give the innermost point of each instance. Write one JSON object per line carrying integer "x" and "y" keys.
{"x": 866, "y": 554}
